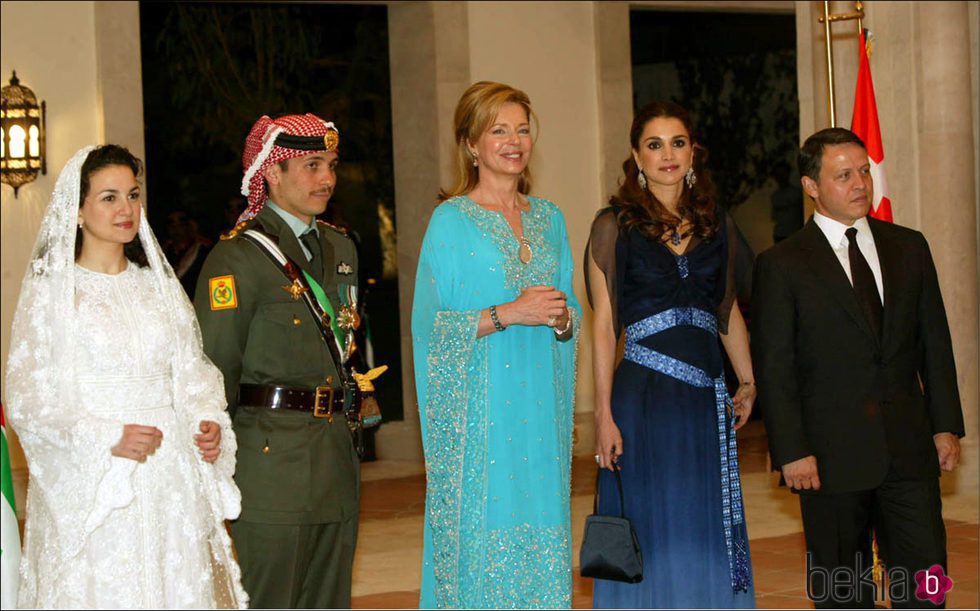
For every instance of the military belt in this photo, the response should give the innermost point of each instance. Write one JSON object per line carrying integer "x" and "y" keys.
{"x": 323, "y": 401}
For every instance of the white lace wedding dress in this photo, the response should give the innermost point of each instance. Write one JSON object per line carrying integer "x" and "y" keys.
{"x": 147, "y": 528}
{"x": 90, "y": 353}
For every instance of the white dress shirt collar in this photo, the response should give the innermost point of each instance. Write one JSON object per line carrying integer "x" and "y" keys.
{"x": 835, "y": 230}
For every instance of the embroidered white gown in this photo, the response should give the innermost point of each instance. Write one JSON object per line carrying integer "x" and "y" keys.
{"x": 109, "y": 532}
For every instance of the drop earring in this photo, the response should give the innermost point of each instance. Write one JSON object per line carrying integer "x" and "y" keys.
{"x": 690, "y": 178}
{"x": 641, "y": 178}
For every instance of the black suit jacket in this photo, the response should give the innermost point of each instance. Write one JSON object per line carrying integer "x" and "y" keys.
{"x": 827, "y": 386}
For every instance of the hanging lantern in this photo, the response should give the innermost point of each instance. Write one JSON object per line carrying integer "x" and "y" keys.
{"x": 21, "y": 135}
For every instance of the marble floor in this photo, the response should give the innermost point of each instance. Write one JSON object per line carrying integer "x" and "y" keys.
{"x": 388, "y": 562}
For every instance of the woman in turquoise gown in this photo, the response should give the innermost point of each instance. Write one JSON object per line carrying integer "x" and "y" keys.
{"x": 494, "y": 323}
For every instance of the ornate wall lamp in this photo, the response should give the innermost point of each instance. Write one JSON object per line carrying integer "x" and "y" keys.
{"x": 21, "y": 135}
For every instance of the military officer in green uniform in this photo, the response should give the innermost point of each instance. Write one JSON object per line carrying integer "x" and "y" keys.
{"x": 298, "y": 469}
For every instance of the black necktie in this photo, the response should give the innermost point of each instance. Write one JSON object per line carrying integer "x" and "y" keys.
{"x": 864, "y": 282}
{"x": 313, "y": 245}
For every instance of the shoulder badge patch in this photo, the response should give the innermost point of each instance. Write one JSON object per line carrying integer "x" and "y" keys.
{"x": 221, "y": 289}
{"x": 345, "y": 269}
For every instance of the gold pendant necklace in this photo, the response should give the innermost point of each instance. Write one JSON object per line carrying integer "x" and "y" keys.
{"x": 524, "y": 252}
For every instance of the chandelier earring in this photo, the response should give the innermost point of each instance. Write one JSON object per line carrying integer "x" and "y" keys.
{"x": 641, "y": 178}
{"x": 690, "y": 178}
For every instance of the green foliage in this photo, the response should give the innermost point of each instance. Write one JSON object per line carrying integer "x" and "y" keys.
{"x": 746, "y": 109}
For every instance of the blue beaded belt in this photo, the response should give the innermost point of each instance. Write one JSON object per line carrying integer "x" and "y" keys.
{"x": 731, "y": 486}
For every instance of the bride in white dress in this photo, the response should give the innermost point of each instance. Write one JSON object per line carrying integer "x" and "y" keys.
{"x": 121, "y": 416}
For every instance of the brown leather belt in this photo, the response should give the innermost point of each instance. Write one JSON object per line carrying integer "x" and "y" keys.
{"x": 323, "y": 401}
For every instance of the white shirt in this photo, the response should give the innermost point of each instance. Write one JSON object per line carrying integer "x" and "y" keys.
{"x": 835, "y": 234}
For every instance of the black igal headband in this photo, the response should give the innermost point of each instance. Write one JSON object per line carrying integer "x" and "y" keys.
{"x": 326, "y": 142}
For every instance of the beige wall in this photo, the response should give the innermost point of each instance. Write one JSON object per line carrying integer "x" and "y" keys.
{"x": 52, "y": 47}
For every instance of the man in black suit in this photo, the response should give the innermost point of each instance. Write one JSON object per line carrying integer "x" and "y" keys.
{"x": 856, "y": 377}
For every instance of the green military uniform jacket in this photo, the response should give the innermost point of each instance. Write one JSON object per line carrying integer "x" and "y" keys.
{"x": 292, "y": 468}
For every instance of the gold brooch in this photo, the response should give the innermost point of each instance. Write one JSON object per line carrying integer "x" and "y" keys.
{"x": 330, "y": 140}
{"x": 296, "y": 289}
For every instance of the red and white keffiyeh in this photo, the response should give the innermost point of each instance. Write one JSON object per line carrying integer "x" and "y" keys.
{"x": 262, "y": 151}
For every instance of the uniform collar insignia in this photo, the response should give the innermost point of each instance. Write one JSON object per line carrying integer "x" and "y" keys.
{"x": 345, "y": 269}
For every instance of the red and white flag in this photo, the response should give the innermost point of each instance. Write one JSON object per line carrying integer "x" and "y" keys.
{"x": 865, "y": 125}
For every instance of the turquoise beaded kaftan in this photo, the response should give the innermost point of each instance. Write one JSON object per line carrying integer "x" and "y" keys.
{"x": 495, "y": 412}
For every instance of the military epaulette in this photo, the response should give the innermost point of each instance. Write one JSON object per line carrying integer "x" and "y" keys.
{"x": 339, "y": 230}
{"x": 234, "y": 231}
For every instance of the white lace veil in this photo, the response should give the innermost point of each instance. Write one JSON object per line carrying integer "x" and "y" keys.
{"x": 42, "y": 394}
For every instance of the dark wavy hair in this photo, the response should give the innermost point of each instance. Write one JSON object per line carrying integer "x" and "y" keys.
{"x": 640, "y": 208}
{"x": 102, "y": 157}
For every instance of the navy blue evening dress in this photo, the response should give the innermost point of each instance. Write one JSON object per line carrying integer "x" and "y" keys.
{"x": 679, "y": 466}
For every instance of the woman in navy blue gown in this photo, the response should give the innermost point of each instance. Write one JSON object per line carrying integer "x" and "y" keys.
{"x": 659, "y": 269}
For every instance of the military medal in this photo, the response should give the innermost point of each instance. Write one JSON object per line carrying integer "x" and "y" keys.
{"x": 524, "y": 252}
{"x": 348, "y": 318}
{"x": 296, "y": 289}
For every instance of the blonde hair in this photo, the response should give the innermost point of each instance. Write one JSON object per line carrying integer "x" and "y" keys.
{"x": 475, "y": 113}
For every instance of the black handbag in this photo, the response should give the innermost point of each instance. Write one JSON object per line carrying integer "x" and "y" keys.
{"x": 610, "y": 549}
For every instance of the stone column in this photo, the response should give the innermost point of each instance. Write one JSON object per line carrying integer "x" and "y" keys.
{"x": 812, "y": 83}
{"x": 119, "y": 74}
{"x": 429, "y": 59}
{"x": 947, "y": 189}
{"x": 615, "y": 81}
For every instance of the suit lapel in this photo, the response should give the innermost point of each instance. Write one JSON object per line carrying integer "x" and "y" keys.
{"x": 828, "y": 269}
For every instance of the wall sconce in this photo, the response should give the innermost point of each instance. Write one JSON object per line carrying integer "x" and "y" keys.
{"x": 21, "y": 135}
